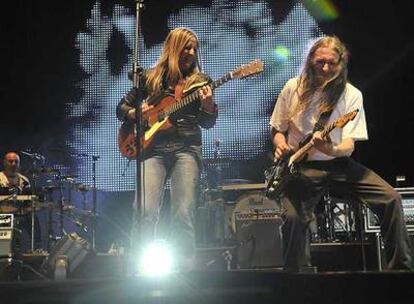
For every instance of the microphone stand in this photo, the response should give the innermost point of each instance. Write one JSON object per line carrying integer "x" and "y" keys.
{"x": 95, "y": 158}
{"x": 139, "y": 130}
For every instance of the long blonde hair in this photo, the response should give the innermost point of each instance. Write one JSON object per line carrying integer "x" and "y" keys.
{"x": 167, "y": 71}
{"x": 333, "y": 88}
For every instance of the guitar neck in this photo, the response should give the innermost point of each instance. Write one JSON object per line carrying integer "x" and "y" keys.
{"x": 195, "y": 95}
{"x": 303, "y": 150}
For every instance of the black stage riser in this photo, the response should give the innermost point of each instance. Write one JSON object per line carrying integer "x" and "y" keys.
{"x": 221, "y": 287}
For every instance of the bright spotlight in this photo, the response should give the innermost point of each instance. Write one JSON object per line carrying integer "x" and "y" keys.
{"x": 156, "y": 259}
{"x": 281, "y": 54}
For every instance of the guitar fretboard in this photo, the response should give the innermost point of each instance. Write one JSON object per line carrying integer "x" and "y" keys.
{"x": 301, "y": 151}
{"x": 195, "y": 95}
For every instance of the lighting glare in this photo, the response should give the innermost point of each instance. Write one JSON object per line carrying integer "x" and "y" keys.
{"x": 156, "y": 260}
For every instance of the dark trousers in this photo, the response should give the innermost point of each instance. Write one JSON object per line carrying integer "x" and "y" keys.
{"x": 343, "y": 177}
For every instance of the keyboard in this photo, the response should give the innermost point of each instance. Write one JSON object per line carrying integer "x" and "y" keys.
{"x": 18, "y": 198}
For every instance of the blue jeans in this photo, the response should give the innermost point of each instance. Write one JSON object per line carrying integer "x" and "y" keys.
{"x": 183, "y": 168}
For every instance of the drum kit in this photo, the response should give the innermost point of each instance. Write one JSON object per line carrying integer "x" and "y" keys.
{"x": 57, "y": 204}
{"x": 223, "y": 198}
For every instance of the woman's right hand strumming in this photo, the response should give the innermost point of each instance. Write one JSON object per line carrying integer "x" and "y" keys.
{"x": 145, "y": 107}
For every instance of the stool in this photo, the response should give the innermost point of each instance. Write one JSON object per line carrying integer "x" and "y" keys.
{"x": 339, "y": 220}
{"x": 336, "y": 220}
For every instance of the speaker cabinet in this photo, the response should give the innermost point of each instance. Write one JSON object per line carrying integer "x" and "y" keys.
{"x": 257, "y": 223}
{"x": 260, "y": 243}
{"x": 6, "y": 235}
{"x": 73, "y": 247}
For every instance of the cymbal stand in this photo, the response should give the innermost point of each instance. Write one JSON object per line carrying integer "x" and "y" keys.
{"x": 35, "y": 157}
{"x": 61, "y": 203}
{"x": 83, "y": 189}
{"x": 33, "y": 226}
{"x": 50, "y": 233}
{"x": 70, "y": 181}
{"x": 84, "y": 214}
{"x": 218, "y": 169}
{"x": 94, "y": 160}
{"x": 70, "y": 205}
{"x": 219, "y": 218}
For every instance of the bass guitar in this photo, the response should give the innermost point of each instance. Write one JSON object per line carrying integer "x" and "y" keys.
{"x": 282, "y": 171}
{"x": 157, "y": 120}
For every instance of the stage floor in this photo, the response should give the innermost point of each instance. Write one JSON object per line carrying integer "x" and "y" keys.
{"x": 220, "y": 287}
{"x": 234, "y": 286}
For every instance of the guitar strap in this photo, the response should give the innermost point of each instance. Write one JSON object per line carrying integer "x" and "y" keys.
{"x": 320, "y": 124}
{"x": 323, "y": 119}
{"x": 178, "y": 93}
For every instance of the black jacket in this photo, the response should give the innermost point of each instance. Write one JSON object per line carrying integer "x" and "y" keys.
{"x": 186, "y": 122}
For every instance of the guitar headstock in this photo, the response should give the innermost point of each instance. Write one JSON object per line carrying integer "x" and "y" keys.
{"x": 248, "y": 69}
{"x": 343, "y": 120}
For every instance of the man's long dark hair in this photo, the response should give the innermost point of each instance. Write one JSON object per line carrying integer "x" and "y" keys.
{"x": 333, "y": 88}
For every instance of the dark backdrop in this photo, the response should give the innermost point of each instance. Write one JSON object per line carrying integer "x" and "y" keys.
{"x": 38, "y": 70}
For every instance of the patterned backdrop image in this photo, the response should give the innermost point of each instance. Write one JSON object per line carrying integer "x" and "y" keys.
{"x": 231, "y": 33}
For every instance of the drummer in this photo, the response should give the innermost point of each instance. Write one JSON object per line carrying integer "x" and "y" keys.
{"x": 12, "y": 182}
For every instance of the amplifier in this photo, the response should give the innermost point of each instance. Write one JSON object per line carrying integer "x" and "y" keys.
{"x": 260, "y": 241}
{"x": 6, "y": 235}
{"x": 257, "y": 223}
{"x": 6, "y": 238}
{"x": 407, "y": 195}
{"x": 6, "y": 221}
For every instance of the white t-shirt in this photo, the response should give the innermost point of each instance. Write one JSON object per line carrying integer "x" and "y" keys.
{"x": 303, "y": 122}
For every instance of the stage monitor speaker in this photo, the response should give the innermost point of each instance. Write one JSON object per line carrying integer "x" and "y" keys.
{"x": 71, "y": 246}
{"x": 257, "y": 224}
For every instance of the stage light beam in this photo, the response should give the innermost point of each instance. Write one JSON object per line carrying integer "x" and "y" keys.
{"x": 156, "y": 260}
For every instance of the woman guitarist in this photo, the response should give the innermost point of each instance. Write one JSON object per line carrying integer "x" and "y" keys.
{"x": 175, "y": 149}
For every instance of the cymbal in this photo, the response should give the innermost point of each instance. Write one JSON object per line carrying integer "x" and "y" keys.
{"x": 68, "y": 178}
{"x": 50, "y": 188}
{"x": 43, "y": 170}
{"x": 84, "y": 212}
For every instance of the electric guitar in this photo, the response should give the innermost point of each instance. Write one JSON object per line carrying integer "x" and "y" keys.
{"x": 281, "y": 172}
{"x": 157, "y": 120}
